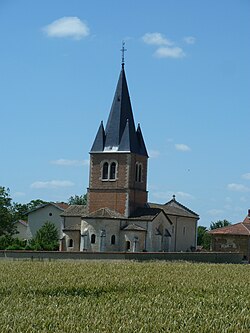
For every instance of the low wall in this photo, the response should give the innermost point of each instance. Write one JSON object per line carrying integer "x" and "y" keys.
{"x": 209, "y": 257}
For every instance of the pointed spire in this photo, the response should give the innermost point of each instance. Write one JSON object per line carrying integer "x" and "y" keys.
{"x": 120, "y": 133}
{"x": 142, "y": 146}
{"x": 98, "y": 144}
{"x": 120, "y": 112}
{"x": 125, "y": 144}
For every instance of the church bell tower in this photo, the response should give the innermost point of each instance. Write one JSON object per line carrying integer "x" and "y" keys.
{"x": 118, "y": 159}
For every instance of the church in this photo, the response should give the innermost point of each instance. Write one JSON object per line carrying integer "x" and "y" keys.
{"x": 118, "y": 216}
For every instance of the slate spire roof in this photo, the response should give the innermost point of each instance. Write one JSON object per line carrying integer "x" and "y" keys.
{"x": 120, "y": 134}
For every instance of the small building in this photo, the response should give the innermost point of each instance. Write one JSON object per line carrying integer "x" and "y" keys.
{"x": 49, "y": 212}
{"x": 118, "y": 216}
{"x": 71, "y": 221}
{"x": 233, "y": 238}
{"x": 23, "y": 230}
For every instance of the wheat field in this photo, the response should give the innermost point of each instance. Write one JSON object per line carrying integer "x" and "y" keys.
{"x": 99, "y": 296}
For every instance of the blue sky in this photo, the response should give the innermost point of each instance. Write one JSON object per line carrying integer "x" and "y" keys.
{"x": 187, "y": 66}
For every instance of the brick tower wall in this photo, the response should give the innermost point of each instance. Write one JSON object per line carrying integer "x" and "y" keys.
{"x": 123, "y": 194}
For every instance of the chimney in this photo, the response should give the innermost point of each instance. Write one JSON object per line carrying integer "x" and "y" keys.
{"x": 248, "y": 213}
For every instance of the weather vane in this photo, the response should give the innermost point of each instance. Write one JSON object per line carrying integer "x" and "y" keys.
{"x": 123, "y": 51}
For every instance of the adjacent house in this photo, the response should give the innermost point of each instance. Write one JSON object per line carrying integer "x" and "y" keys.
{"x": 23, "y": 230}
{"x": 49, "y": 212}
{"x": 233, "y": 238}
{"x": 118, "y": 216}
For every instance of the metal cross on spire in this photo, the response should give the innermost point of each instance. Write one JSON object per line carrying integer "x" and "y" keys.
{"x": 123, "y": 51}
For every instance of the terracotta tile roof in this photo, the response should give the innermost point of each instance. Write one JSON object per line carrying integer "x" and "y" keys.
{"x": 75, "y": 210}
{"x": 241, "y": 228}
{"x": 60, "y": 205}
{"x": 246, "y": 220}
{"x": 104, "y": 212}
{"x": 134, "y": 227}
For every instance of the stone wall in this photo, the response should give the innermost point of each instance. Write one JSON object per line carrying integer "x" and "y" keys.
{"x": 209, "y": 257}
{"x": 232, "y": 243}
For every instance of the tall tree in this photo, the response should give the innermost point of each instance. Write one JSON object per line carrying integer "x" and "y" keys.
{"x": 78, "y": 200}
{"x": 203, "y": 238}
{"x": 219, "y": 224}
{"x": 6, "y": 223}
{"x": 19, "y": 211}
{"x": 46, "y": 238}
{"x": 201, "y": 231}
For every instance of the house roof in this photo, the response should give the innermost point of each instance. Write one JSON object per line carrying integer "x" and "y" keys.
{"x": 75, "y": 210}
{"x": 120, "y": 134}
{"x": 148, "y": 213}
{"x": 134, "y": 227}
{"x": 173, "y": 207}
{"x": 60, "y": 205}
{"x": 25, "y": 223}
{"x": 104, "y": 212}
{"x": 240, "y": 229}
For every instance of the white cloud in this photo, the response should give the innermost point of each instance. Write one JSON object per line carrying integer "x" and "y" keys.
{"x": 246, "y": 176}
{"x": 69, "y": 26}
{"x": 182, "y": 147}
{"x": 52, "y": 184}
{"x": 19, "y": 194}
{"x": 189, "y": 39}
{"x": 169, "y": 52}
{"x": 168, "y": 195}
{"x": 154, "y": 153}
{"x": 237, "y": 187}
{"x": 156, "y": 38}
{"x": 215, "y": 212}
{"x": 65, "y": 162}
{"x": 183, "y": 195}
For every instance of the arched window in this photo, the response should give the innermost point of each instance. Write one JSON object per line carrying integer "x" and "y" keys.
{"x": 112, "y": 171}
{"x": 127, "y": 245}
{"x": 112, "y": 239}
{"x": 140, "y": 173}
{"x": 105, "y": 170}
{"x": 136, "y": 172}
{"x": 93, "y": 238}
{"x": 71, "y": 243}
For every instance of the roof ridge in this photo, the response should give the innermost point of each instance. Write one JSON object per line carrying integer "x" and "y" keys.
{"x": 184, "y": 207}
{"x": 245, "y": 227}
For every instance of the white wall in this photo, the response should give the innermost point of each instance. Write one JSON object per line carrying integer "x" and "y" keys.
{"x": 50, "y": 213}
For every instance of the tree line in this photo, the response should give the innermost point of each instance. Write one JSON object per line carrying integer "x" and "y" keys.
{"x": 46, "y": 238}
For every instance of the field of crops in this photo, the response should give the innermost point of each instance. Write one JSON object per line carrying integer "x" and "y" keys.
{"x": 123, "y": 297}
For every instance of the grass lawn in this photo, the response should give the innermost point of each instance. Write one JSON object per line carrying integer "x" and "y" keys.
{"x": 131, "y": 297}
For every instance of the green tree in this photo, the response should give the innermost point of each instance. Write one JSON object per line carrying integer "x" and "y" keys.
{"x": 19, "y": 211}
{"x": 36, "y": 203}
{"x": 78, "y": 200}
{"x": 201, "y": 231}
{"x": 6, "y": 222}
{"x": 219, "y": 224}
{"x": 46, "y": 238}
{"x": 203, "y": 238}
